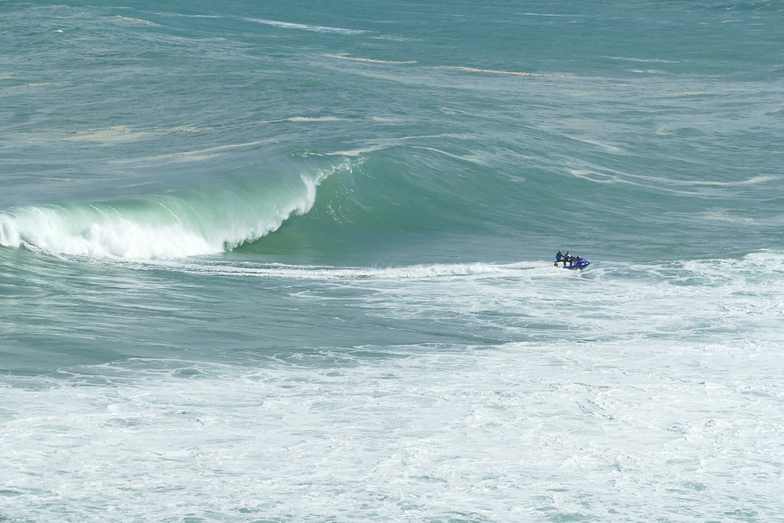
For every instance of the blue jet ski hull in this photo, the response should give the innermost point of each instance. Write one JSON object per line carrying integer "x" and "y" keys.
{"x": 577, "y": 264}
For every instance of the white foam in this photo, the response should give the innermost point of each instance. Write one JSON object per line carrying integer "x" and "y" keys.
{"x": 112, "y": 134}
{"x": 645, "y": 60}
{"x": 643, "y": 389}
{"x": 360, "y": 274}
{"x": 505, "y": 433}
{"x": 191, "y": 156}
{"x": 709, "y": 297}
{"x": 134, "y": 20}
{"x": 47, "y": 229}
{"x": 371, "y": 60}
{"x": 305, "y": 27}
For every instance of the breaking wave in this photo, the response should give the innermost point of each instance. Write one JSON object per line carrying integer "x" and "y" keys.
{"x": 185, "y": 223}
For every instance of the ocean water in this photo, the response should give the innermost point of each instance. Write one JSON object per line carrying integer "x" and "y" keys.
{"x": 285, "y": 262}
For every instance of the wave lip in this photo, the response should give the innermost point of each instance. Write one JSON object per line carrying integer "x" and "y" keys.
{"x": 188, "y": 223}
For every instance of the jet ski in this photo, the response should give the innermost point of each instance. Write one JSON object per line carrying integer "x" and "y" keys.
{"x": 578, "y": 262}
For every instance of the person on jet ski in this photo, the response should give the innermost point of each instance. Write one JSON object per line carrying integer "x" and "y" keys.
{"x": 568, "y": 259}
{"x": 559, "y": 257}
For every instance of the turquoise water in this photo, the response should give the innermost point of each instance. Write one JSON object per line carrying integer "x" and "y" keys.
{"x": 294, "y": 262}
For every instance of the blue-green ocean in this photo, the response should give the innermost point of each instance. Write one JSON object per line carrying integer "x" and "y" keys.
{"x": 293, "y": 261}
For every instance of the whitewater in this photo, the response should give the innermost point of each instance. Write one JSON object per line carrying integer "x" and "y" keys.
{"x": 278, "y": 263}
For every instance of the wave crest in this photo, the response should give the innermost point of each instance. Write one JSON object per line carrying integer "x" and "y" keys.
{"x": 186, "y": 223}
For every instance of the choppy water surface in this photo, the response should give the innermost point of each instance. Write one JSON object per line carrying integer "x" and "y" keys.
{"x": 293, "y": 263}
